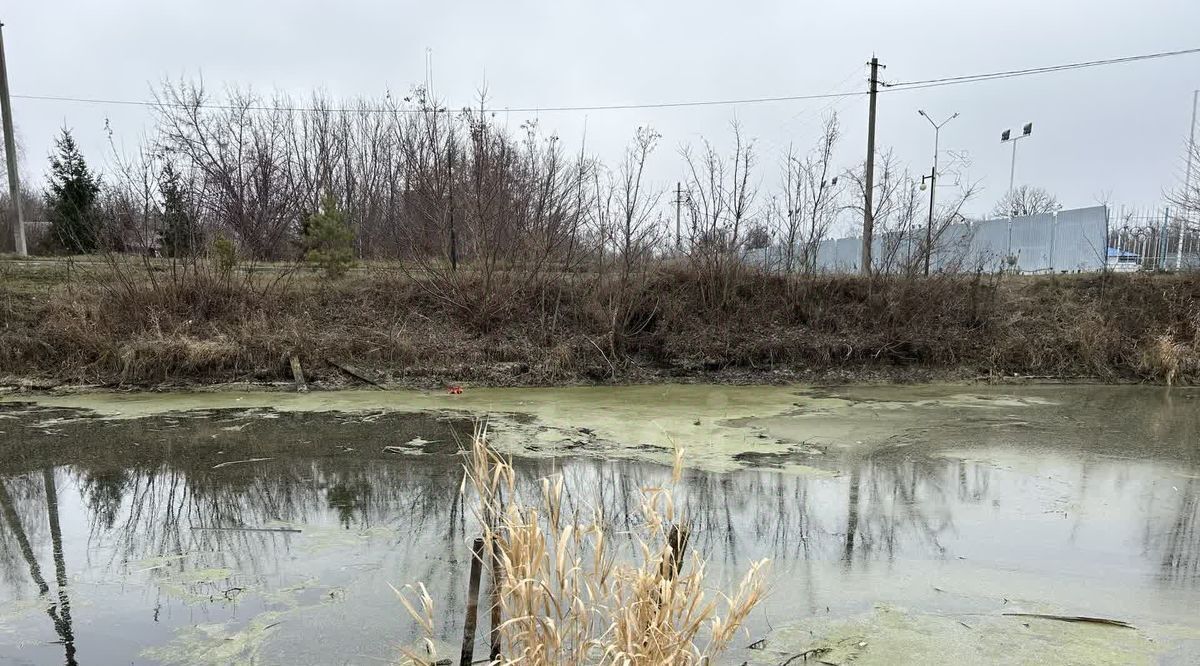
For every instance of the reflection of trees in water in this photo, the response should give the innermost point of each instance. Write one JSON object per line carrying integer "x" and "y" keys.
{"x": 23, "y": 501}
{"x": 172, "y": 510}
{"x": 1181, "y": 542}
{"x": 785, "y": 521}
{"x": 349, "y": 499}
{"x": 894, "y": 502}
{"x": 885, "y": 504}
{"x": 60, "y": 566}
{"x": 914, "y": 496}
{"x": 880, "y": 506}
{"x": 102, "y": 491}
{"x": 148, "y": 500}
{"x": 853, "y": 503}
{"x": 60, "y": 612}
{"x": 139, "y": 506}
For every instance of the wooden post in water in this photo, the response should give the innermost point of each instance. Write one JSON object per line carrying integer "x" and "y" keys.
{"x": 494, "y": 654}
{"x": 468, "y": 645}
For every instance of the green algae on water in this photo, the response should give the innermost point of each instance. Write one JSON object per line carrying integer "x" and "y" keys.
{"x": 889, "y": 635}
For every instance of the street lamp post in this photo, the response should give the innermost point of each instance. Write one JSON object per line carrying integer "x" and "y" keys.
{"x": 1007, "y": 137}
{"x": 937, "y": 129}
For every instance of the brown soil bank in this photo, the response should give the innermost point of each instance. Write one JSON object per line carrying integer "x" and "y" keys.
{"x": 152, "y": 328}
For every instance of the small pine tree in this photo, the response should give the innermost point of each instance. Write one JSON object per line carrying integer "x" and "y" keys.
{"x": 226, "y": 255}
{"x": 71, "y": 198}
{"x": 328, "y": 240}
{"x": 178, "y": 228}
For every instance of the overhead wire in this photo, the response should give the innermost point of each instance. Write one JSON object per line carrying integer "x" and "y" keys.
{"x": 900, "y": 86}
{"x": 529, "y": 109}
{"x": 1012, "y": 73}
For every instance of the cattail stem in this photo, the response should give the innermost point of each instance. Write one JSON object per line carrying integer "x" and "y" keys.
{"x": 677, "y": 539}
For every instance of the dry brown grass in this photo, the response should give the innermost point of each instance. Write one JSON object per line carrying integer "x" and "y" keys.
{"x": 201, "y": 328}
{"x": 1167, "y": 359}
{"x": 574, "y": 591}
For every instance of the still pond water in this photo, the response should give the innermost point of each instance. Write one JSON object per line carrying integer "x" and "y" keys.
{"x": 904, "y": 524}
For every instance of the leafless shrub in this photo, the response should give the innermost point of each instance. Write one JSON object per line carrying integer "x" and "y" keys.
{"x": 720, "y": 210}
{"x": 811, "y": 201}
{"x": 509, "y": 212}
{"x": 241, "y": 153}
{"x": 625, "y": 205}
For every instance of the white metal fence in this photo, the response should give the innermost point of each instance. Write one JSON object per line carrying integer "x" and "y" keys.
{"x": 1158, "y": 239}
{"x": 1069, "y": 241}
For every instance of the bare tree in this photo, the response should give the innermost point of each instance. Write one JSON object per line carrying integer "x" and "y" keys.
{"x": 626, "y": 205}
{"x": 1185, "y": 198}
{"x": 720, "y": 210}
{"x": 892, "y": 213}
{"x": 509, "y": 208}
{"x": 636, "y": 202}
{"x": 1186, "y": 195}
{"x": 902, "y": 215}
{"x": 1026, "y": 200}
{"x": 240, "y": 151}
{"x": 812, "y": 198}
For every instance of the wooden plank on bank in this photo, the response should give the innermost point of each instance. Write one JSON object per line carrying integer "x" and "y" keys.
{"x": 356, "y": 373}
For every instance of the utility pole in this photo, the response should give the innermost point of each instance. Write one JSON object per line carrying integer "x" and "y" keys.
{"x": 10, "y": 155}
{"x": 678, "y": 203}
{"x": 1187, "y": 182}
{"x": 929, "y": 224}
{"x": 450, "y": 175}
{"x": 869, "y": 193}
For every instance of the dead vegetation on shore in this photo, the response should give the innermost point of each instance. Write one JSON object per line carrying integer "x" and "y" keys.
{"x": 114, "y": 326}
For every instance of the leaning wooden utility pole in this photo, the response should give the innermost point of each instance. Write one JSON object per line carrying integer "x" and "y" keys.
{"x": 10, "y": 155}
{"x": 869, "y": 189}
{"x": 1187, "y": 180}
{"x": 678, "y": 204}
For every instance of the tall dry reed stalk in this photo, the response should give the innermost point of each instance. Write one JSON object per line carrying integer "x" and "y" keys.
{"x": 572, "y": 591}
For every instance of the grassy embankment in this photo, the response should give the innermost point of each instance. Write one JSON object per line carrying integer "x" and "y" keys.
{"x": 134, "y": 325}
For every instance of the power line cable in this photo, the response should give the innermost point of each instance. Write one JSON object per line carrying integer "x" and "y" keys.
{"x": 906, "y": 85}
{"x": 1012, "y": 73}
{"x": 530, "y": 109}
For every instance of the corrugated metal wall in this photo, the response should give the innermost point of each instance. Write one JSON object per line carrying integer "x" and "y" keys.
{"x": 1070, "y": 240}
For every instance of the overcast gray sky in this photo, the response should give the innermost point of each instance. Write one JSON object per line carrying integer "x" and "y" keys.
{"x": 1116, "y": 130}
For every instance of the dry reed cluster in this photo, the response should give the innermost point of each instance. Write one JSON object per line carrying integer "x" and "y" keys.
{"x": 571, "y": 590}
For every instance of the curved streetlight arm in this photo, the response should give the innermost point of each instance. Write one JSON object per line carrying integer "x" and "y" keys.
{"x": 936, "y": 125}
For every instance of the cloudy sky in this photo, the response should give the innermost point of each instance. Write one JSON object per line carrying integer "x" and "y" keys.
{"x": 1114, "y": 132}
